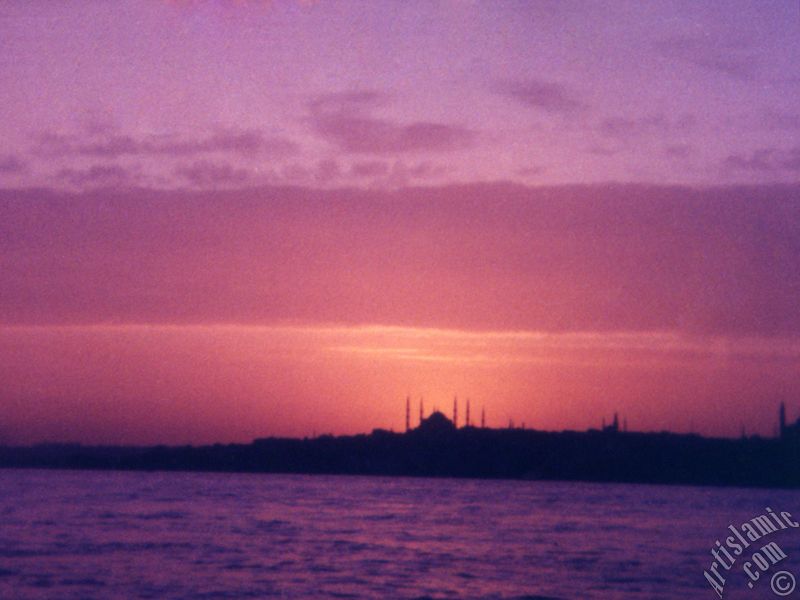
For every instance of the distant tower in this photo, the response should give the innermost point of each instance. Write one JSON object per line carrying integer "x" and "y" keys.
{"x": 467, "y": 420}
{"x": 455, "y": 411}
{"x": 483, "y": 418}
{"x": 421, "y": 411}
{"x": 616, "y": 423}
{"x": 408, "y": 413}
{"x": 782, "y": 420}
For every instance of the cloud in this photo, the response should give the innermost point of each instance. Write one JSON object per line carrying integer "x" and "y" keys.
{"x": 350, "y": 102}
{"x": 371, "y": 168}
{"x": 347, "y": 121}
{"x": 402, "y": 174}
{"x": 323, "y": 172}
{"x": 368, "y": 135}
{"x": 678, "y": 150}
{"x": 207, "y": 174}
{"x": 105, "y": 144}
{"x": 765, "y": 160}
{"x": 626, "y": 129}
{"x": 618, "y": 134}
{"x": 599, "y": 150}
{"x": 327, "y": 170}
{"x": 776, "y": 120}
{"x": 394, "y": 175}
{"x": 98, "y": 176}
{"x": 531, "y": 171}
{"x": 12, "y": 165}
{"x": 736, "y": 67}
{"x": 732, "y": 59}
{"x": 548, "y": 96}
{"x": 377, "y": 136}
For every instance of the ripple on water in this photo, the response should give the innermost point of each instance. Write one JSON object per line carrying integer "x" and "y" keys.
{"x": 168, "y": 515}
{"x": 217, "y": 536}
{"x": 84, "y": 582}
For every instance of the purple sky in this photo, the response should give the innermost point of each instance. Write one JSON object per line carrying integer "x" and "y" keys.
{"x": 226, "y": 220}
{"x": 175, "y": 94}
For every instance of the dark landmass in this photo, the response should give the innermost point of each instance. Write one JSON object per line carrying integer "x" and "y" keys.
{"x": 437, "y": 449}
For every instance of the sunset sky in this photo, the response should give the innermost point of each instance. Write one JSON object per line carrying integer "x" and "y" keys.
{"x": 222, "y": 221}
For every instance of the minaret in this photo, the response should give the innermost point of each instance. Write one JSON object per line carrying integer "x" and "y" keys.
{"x": 455, "y": 411}
{"x": 408, "y": 413}
{"x": 483, "y": 418}
{"x": 782, "y": 420}
{"x": 467, "y": 420}
{"x": 421, "y": 411}
{"x": 616, "y": 423}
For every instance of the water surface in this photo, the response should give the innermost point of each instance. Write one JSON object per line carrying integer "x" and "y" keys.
{"x": 105, "y": 535}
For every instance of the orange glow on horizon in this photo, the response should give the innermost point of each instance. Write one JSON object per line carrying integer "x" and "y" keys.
{"x": 140, "y": 383}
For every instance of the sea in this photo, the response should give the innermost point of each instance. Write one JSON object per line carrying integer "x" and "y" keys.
{"x": 107, "y": 535}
